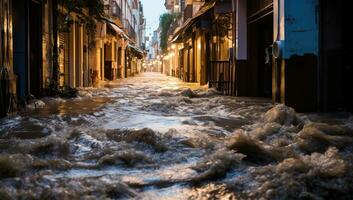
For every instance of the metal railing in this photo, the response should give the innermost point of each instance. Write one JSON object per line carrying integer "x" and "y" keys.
{"x": 222, "y": 76}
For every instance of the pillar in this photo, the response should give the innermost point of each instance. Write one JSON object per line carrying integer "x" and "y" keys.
{"x": 72, "y": 57}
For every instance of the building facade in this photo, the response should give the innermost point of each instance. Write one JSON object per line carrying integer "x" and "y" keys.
{"x": 155, "y": 56}
{"x": 7, "y": 76}
{"x": 296, "y": 53}
{"x": 43, "y": 43}
{"x": 200, "y": 44}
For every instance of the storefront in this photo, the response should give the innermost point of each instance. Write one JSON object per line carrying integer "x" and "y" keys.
{"x": 32, "y": 46}
{"x": 253, "y": 47}
{"x": 133, "y": 63}
{"x": 7, "y": 76}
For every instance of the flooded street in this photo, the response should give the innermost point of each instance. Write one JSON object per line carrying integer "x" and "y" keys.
{"x": 154, "y": 137}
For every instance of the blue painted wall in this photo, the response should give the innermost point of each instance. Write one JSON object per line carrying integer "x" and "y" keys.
{"x": 301, "y": 27}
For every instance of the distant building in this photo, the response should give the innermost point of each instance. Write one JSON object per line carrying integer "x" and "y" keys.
{"x": 199, "y": 39}
{"x": 154, "y": 45}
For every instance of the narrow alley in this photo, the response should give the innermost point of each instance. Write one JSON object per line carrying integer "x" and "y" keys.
{"x": 160, "y": 138}
{"x": 176, "y": 99}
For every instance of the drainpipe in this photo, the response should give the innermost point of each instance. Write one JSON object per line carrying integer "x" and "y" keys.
{"x": 277, "y": 49}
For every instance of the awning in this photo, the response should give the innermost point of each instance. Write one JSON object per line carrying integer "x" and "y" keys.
{"x": 179, "y": 31}
{"x": 136, "y": 50}
{"x": 116, "y": 28}
{"x": 110, "y": 21}
{"x": 176, "y": 38}
{"x": 189, "y": 22}
{"x": 206, "y": 7}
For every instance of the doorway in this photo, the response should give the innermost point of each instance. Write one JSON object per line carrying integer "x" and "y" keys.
{"x": 119, "y": 61}
{"x": 191, "y": 66}
{"x": 181, "y": 64}
{"x": 108, "y": 70}
{"x": 265, "y": 41}
{"x": 35, "y": 48}
{"x": 260, "y": 42}
{"x": 336, "y": 68}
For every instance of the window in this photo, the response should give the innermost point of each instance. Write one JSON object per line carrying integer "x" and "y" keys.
{"x": 114, "y": 8}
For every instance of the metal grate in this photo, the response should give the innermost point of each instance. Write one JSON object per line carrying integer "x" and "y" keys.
{"x": 222, "y": 77}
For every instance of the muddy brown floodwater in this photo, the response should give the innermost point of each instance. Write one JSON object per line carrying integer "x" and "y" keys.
{"x": 154, "y": 137}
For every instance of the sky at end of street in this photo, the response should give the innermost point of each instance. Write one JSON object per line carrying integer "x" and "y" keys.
{"x": 152, "y": 10}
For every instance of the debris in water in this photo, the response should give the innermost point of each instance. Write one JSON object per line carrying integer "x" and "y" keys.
{"x": 212, "y": 191}
{"x": 283, "y": 115}
{"x": 319, "y": 137}
{"x": 216, "y": 166}
{"x": 128, "y": 157}
{"x": 14, "y": 165}
{"x": 147, "y": 136}
{"x": 318, "y": 176}
{"x": 35, "y": 104}
{"x": 189, "y": 93}
{"x": 255, "y": 151}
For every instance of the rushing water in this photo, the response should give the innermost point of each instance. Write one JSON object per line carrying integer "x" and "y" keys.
{"x": 154, "y": 137}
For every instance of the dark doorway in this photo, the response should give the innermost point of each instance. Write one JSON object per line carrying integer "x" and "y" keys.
{"x": 191, "y": 66}
{"x": 206, "y": 60}
{"x": 348, "y": 56}
{"x": 181, "y": 64}
{"x": 260, "y": 42}
{"x": 35, "y": 48}
{"x": 187, "y": 62}
{"x": 265, "y": 40}
{"x": 127, "y": 63}
{"x": 20, "y": 46}
{"x": 101, "y": 59}
{"x": 108, "y": 70}
{"x": 120, "y": 67}
{"x": 85, "y": 75}
{"x": 336, "y": 69}
{"x": 78, "y": 70}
